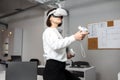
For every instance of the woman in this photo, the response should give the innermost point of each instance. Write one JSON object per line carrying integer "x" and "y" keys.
{"x": 55, "y": 49}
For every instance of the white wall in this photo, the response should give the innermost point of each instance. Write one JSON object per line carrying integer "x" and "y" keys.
{"x": 17, "y": 41}
{"x": 32, "y": 23}
{"x": 107, "y": 62}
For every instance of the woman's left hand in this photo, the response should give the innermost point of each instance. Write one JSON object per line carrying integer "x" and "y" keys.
{"x": 69, "y": 55}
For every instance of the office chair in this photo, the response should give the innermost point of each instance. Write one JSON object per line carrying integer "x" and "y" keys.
{"x": 21, "y": 71}
{"x": 35, "y": 60}
{"x": 39, "y": 70}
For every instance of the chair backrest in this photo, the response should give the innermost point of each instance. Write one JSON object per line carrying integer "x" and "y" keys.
{"x": 35, "y": 60}
{"x": 21, "y": 71}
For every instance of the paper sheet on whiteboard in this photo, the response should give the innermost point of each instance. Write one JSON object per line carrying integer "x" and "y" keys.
{"x": 108, "y": 37}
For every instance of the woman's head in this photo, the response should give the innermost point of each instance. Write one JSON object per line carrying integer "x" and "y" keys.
{"x": 53, "y": 19}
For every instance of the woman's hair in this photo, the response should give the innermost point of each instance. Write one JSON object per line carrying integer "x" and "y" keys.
{"x": 48, "y": 22}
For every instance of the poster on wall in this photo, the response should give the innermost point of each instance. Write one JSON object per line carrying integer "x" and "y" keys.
{"x": 107, "y": 34}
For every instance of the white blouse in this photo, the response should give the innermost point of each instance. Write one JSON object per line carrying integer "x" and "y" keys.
{"x": 54, "y": 44}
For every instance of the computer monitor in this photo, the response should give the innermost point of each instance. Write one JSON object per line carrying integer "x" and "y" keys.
{"x": 16, "y": 58}
{"x": 21, "y": 71}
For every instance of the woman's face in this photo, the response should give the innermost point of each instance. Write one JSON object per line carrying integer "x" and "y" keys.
{"x": 56, "y": 19}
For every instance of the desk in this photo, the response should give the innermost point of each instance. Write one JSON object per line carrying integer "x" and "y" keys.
{"x": 2, "y": 75}
{"x": 84, "y": 73}
{"x": 40, "y": 72}
{"x": 119, "y": 76}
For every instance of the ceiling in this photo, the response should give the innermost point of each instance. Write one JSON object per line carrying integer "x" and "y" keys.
{"x": 71, "y": 4}
{"x": 11, "y": 7}
{"x": 7, "y": 6}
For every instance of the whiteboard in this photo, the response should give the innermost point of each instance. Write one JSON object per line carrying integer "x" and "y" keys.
{"x": 108, "y": 36}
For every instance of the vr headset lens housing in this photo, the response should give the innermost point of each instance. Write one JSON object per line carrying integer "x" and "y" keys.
{"x": 58, "y": 12}
{"x": 57, "y": 16}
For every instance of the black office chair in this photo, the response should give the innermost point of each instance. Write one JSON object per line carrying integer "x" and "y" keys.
{"x": 35, "y": 60}
{"x": 39, "y": 70}
{"x": 21, "y": 71}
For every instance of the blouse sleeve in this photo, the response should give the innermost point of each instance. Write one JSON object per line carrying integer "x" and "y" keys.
{"x": 53, "y": 40}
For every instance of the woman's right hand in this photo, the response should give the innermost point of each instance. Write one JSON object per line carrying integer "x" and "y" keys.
{"x": 80, "y": 35}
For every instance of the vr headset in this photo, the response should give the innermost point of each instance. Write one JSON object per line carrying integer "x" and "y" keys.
{"x": 58, "y": 12}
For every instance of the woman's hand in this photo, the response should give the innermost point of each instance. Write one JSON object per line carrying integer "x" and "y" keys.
{"x": 80, "y": 35}
{"x": 69, "y": 55}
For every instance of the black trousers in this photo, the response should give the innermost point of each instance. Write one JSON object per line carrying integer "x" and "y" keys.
{"x": 55, "y": 70}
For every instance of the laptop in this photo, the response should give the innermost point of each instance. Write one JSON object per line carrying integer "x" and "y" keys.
{"x": 21, "y": 71}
